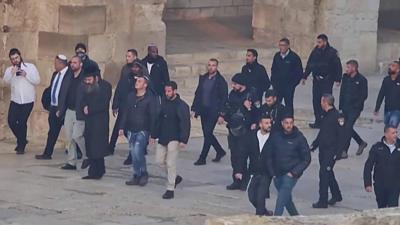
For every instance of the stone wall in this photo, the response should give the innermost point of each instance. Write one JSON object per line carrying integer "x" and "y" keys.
{"x": 41, "y": 31}
{"x": 197, "y": 9}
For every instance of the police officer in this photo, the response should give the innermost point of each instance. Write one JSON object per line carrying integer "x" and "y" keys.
{"x": 241, "y": 116}
{"x": 273, "y": 108}
{"x": 353, "y": 93}
{"x": 328, "y": 140}
{"x": 325, "y": 66}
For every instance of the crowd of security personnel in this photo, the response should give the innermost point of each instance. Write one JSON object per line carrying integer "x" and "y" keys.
{"x": 265, "y": 144}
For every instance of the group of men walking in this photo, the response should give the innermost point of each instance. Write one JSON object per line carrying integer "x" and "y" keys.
{"x": 265, "y": 144}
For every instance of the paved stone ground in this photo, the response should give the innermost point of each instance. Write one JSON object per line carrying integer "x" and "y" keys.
{"x": 38, "y": 192}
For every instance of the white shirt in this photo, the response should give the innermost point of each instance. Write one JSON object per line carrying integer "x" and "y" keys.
{"x": 149, "y": 66}
{"x": 57, "y": 89}
{"x": 22, "y": 87}
{"x": 262, "y": 139}
{"x": 392, "y": 147}
{"x": 283, "y": 55}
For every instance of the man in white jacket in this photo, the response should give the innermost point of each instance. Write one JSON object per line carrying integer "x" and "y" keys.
{"x": 22, "y": 77}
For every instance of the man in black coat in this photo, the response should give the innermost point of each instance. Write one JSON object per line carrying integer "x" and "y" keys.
{"x": 384, "y": 160}
{"x": 256, "y": 148}
{"x": 157, "y": 68}
{"x": 273, "y": 108}
{"x": 209, "y": 103}
{"x": 58, "y": 90}
{"x": 256, "y": 75}
{"x": 286, "y": 73}
{"x": 95, "y": 107}
{"x": 328, "y": 141}
{"x": 172, "y": 132}
{"x": 241, "y": 117}
{"x": 326, "y": 68}
{"x": 353, "y": 93}
{"x": 291, "y": 156}
{"x": 81, "y": 51}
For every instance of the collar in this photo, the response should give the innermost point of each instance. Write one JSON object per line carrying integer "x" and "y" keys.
{"x": 286, "y": 54}
{"x": 63, "y": 71}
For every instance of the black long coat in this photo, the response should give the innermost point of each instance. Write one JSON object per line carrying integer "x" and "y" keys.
{"x": 96, "y": 122}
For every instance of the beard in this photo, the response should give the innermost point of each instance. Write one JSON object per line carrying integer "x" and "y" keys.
{"x": 391, "y": 72}
{"x": 152, "y": 60}
{"x": 91, "y": 88}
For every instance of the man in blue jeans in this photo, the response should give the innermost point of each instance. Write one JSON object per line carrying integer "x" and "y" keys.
{"x": 290, "y": 154}
{"x": 138, "y": 119}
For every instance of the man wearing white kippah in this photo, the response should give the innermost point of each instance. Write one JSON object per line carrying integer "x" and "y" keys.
{"x": 56, "y": 93}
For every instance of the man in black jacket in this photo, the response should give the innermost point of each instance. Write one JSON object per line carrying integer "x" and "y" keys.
{"x": 390, "y": 91}
{"x": 384, "y": 160}
{"x": 274, "y": 109}
{"x": 291, "y": 156}
{"x": 328, "y": 141}
{"x": 81, "y": 51}
{"x": 138, "y": 119}
{"x": 157, "y": 68}
{"x": 173, "y": 131}
{"x": 326, "y": 68}
{"x": 241, "y": 117}
{"x": 59, "y": 86}
{"x": 256, "y": 75}
{"x": 286, "y": 73}
{"x": 256, "y": 148}
{"x": 353, "y": 93}
{"x": 209, "y": 103}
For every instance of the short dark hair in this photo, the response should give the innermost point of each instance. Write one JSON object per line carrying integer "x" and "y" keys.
{"x": 270, "y": 93}
{"x": 397, "y": 62}
{"x": 389, "y": 126}
{"x": 133, "y": 51}
{"x": 329, "y": 98}
{"x": 352, "y": 62}
{"x": 172, "y": 84}
{"x": 80, "y": 45}
{"x": 265, "y": 116}
{"x": 14, "y": 51}
{"x": 253, "y": 51}
{"x": 77, "y": 57}
{"x": 286, "y": 40}
{"x": 214, "y": 60}
{"x": 323, "y": 37}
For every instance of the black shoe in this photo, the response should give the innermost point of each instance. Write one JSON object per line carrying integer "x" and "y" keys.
{"x": 20, "y": 152}
{"x": 314, "y": 125}
{"x": 68, "y": 167}
{"x": 168, "y": 195}
{"x": 42, "y": 157}
{"x": 344, "y": 155}
{"x": 361, "y": 148}
{"x": 269, "y": 213}
{"x": 320, "y": 205}
{"x": 234, "y": 186}
{"x": 85, "y": 164}
{"x": 144, "y": 179}
{"x": 219, "y": 157}
{"x": 200, "y": 162}
{"x": 178, "y": 180}
{"x": 333, "y": 201}
{"x": 91, "y": 178}
{"x": 128, "y": 161}
{"x": 133, "y": 181}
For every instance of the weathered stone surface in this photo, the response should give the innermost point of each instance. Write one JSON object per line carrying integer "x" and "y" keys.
{"x": 80, "y": 20}
{"x": 50, "y": 44}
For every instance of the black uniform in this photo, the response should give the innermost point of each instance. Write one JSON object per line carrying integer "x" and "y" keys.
{"x": 326, "y": 68}
{"x": 386, "y": 166}
{"x": 159, "y": 74}
{"x": 390, "y": 91}
{"x": 328, "y": 141}
{"x": 257, "y": 77}
{"x": 276, "y": 112}
{"x": 239, "y": 120}
{"x": 353, "y": 93}
{"x": 286, "y": 74}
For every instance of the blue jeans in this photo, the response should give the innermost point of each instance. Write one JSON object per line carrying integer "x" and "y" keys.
{"x": 284, "y": 185}
{"x": 392, "y": 118}
{"x": 137, "y": 147}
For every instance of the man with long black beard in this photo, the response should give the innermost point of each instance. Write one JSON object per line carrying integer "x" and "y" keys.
{"x": 95, "y": 106}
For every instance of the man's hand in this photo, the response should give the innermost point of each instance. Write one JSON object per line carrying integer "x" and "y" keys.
{"x": 221, "y": 120}
{"x": 86, "y": 110}
{"x": 121, "y": 132}
{"x": 290, "y": 174}
{"x": 22, "y": 73}
{"x": 253, "y": 126}
{"x": 152, "y": 141}
{"x": 58, "y": 114}
{"x": 303, "y": 81}
{"x": 313, "y": 147}
{"x": 14, "y": 70}
{"x": 247, "y": 104}
{"x": 182, "y": 146}
{"x": 368, "y": 189}
{"x": 239, "y": 176}
{"x": 376, "y": 113}
{"x": 337, "y": 83}
{"x": 193, "y": 115}
{"x": 115, "y": 112}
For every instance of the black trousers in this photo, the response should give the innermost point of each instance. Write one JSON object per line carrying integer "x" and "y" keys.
{"x": 55, "y": 124}
{"x": 320, "y": 87}
{"x": 97, "y": 168}
{"x": 236, "y": 145}
{"x": 258, "y": 191}
{"x": 208, "y": 122}
{"x": 18, "y": 115}
{"x": 349, "y": 132}
{"x": 386, "y": 197}
{"x": 286, "y": 94}
{"x": 115, "y": 133}
{"x": 327, "y": 179}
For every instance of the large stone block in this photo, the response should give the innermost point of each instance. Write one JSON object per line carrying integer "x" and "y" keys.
{"x": 27, "y": 42}
{"x": 80, "y": 20}
{"x": 50, "y": 44}
{"x": 102, "y": 47}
